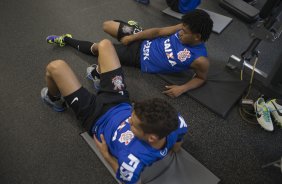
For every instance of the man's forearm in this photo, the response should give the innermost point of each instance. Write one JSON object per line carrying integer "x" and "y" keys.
{"x": 156, "y": 32}
{"x": 112, "y": 161}
{"x": 146, "y": 34}
{"x": 193, "y": 84}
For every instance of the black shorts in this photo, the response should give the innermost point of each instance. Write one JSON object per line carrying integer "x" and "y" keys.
{"x": 129, "y": 55}
{"x": 89, "y": 107}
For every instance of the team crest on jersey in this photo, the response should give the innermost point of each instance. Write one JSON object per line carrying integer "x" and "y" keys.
{"x": 117, "y": 81}
{"x": 127, "y": 29}
{"x": 126, "y": 137}
{"x": 183, "y": 55}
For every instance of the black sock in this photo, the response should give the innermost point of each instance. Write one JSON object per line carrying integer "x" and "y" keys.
{"x": 279, "y": 101}
{"x": 53, "y": 98}
{"x": 82, "y": 46}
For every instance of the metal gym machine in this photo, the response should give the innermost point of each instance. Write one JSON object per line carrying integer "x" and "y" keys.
{"x": 268, "y": 27}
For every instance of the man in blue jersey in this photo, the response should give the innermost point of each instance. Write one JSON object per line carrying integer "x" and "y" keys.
{"x": 156, "y": 50}
{"x": 129, "y": 137}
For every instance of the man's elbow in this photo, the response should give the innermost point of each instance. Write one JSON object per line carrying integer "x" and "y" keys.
{"x": 201, "y": 80}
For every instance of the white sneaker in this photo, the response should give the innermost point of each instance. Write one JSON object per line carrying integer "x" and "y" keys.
{"x": 263, "y": 114}
{"x": 95, "y": 79}
{"x": 275, "y": 110}
{"x": 58, "y": 106}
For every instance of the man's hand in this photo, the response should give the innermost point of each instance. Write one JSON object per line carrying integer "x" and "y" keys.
{"x": 174, "y": 91}
{"x": 102, "y": 146}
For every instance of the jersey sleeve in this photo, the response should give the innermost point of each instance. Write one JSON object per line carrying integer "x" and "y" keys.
{"x": 182, "y": 128}
{"x": 130, "y": 168}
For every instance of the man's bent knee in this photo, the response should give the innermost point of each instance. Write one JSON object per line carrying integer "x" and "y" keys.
{"x": 107, "y": 25}
{"x": 104, "y": 44}
{"x": 111, "y": 27}
{"x": 55, "y": 65}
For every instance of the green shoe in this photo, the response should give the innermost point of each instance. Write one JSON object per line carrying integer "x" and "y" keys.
{"x": 59, "y": 40}
{"x": 135, "y": 24}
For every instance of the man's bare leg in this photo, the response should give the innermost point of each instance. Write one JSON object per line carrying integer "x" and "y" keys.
{"x": 61, "y": 79}
{"x": 111, "y": 27}
{"x": 107, "y": 59}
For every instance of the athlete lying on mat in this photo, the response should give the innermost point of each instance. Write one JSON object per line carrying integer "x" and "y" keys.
{"x": 129, "y": 137}
{"x": 157, "y": 50}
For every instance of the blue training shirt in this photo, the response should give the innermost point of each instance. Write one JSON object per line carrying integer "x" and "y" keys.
{"x": 185, "y": 6}
{"x": 132, "y": 153}
{"x": 168, "y": 54}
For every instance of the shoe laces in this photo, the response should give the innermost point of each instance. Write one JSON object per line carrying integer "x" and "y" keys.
{"x": 135, "y": 24}
{"x": 59, "y": 40}
{"x": 89, "y": 76}
{"x": 266, "y": 114}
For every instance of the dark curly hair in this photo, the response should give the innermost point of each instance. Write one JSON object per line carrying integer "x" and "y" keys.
{"x": 199, "y": 22}
{"x": 157, "y": 116}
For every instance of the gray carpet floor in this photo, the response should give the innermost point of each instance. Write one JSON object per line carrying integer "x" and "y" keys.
{"x": 38, "y": 145}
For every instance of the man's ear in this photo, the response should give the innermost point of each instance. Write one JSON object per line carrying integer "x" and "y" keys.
{"x": 152, "y": 138}
{"x": 198, "y": 37}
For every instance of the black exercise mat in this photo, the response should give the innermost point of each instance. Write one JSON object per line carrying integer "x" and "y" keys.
{"x": 221, "y": 91}
{"x": 220, "y": 22}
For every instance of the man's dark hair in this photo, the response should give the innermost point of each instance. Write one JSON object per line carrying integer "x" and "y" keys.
{"x": 157, "y": 117}
{"x": 199, "y": 22}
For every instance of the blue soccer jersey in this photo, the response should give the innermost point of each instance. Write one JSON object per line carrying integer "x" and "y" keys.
{"x": 132, "y": 153}
{"x": 168, "y": 54}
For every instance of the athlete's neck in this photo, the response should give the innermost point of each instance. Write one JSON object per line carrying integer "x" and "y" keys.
{"x": 196, "y": 43}
{"x": 159, "y": 144}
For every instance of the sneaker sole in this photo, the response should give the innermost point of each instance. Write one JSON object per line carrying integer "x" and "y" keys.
{"x": 90, "y": 78}
{"x": 54, "y": 108}
{"x": 278, "y": 123}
